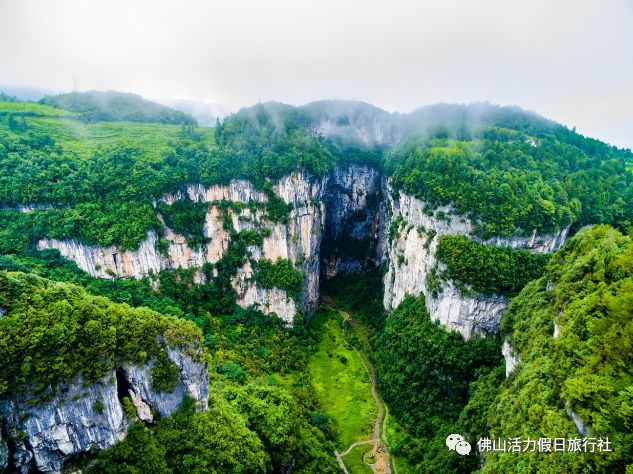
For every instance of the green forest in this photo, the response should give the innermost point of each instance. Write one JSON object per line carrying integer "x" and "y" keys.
{"x": 436, "y": 383}
{"x": 111, "y": 106}
{"x": 587, "y": 293}
{"x": 95, "y": 167}
{"x": 507, "y": 184}
{"x": 53, "y": 332}
{"x": 486, "y": 269}
{"x": 97, "y": 181}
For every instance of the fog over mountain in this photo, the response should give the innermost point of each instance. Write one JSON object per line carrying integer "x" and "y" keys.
{"x": 568, "y": 60}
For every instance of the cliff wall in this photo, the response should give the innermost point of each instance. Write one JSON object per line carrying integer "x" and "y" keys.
{"x": 44, "y": 435}
{"x": 414, "y": 233}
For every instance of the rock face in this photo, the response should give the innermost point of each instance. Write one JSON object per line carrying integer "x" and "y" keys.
{"x": 511, "y": 359}
{"x": 45, "y": 435}
{"x": 298, "y": 240}
{"x": 4, "y": 455}
{"x": 354, "y": 122}
{"x": 411, "y": 256}
{"x": 335, "y": 224}
{"x": 352, "y": 219}
{"x": 193, "y": 381}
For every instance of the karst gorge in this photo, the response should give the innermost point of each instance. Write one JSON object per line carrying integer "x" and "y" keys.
{"x": 168, "y": 292}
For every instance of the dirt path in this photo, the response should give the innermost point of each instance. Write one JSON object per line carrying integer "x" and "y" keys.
{"x": 382, "y": 465}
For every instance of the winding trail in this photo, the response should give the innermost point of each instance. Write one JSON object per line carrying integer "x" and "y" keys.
{"x": 382, "y": 464}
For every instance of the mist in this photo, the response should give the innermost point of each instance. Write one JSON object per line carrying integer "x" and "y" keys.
{"x": 570, "y": 61}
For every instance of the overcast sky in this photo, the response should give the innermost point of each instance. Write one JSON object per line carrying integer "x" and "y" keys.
{"x": 569, "y": 60}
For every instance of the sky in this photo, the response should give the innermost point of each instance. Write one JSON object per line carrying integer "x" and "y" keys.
{"x": 569, "y": 60}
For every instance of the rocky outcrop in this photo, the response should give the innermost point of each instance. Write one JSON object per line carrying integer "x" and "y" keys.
{"x": 192, "y": 381}
{"x": 4, "y": 454}
{"x": 352, "y": 220}
{"x": 415, "y": 230}
{"x": 45, "y": 435}
{"x": 580, "y": 425}
{"x": 338, "y": 223}
{"x": 26, "y": 208}
{"x": 510, "y": 357}
{"x": 297, "y": 240}
{"x": 108, "y": 262}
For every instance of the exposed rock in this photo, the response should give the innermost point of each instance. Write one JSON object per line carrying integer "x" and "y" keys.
{"x": 82, "y": 417}
{"x": 352, "y": 221}
{"x": 110, "y": 261}
{"x": 467, "y": 314}
{"x": 143, "y": 410}
{"x": 4, "y": 454}
{"x": 511, "y": 359}
{"x": 536, "y": 243}
{"x": 237, "y": 190}
{"x": 580, "y": 425}
{"x": 27, "y": 208}
{"x": 411, "y": 256}
{"x": 358, "y": 210}
{"x": 193, "y": 381}
{"x": 298, "y": 241}
{"x": 72, "y": 422}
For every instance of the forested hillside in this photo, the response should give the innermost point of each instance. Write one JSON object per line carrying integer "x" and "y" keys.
{"x": 571, "y": 330}
{"x": 112, "y": 106}
{"x": 102, "y": 178}
{"x": 106, "y": 169}
{"x": 51, "y": 333}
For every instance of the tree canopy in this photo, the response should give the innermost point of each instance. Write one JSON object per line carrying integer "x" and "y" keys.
{"x": 112, "y": 106}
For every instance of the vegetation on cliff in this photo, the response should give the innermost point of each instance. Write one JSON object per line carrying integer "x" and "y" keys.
{"x": 486, "y": 269}
{"x": 509, "y": 182}
{"x": 280, "y": 274}
{"x": 510, "y": 172}
{"x": 52, "y": 332}
{"x": 424, "y": 373}
{"x": 572, "y": 330}
{"x": 97, "y": 181}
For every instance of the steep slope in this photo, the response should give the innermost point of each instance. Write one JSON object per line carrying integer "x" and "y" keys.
{"x": 353, "y": 220}
{"x": 571, "y": 332}
{"x": 233, "y": 210}
{"x": 499, "y": 175}
{"x": 79, "y": 370}
{"x": 415, "y": 231}
{"x": 225, "y": 227}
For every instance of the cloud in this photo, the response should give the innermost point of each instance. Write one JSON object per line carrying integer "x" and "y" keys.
{"x": 568, "y": 60}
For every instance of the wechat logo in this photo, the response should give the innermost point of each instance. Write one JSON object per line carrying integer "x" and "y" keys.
{"x": 457, "y": 443}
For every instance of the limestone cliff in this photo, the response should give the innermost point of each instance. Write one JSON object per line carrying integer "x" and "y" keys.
{"x": 338, "y": 223}
{"x": 44, "y": 436}
{"x": 415, "y": 231}
{"x": 297, "y": 240}
{"x": 352, "y": 219}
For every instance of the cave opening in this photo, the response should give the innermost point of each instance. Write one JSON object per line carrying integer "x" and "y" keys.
{"x": 354, "y": 241}
{"x": 354, "y": 215}
{"x": 122, "y": 385}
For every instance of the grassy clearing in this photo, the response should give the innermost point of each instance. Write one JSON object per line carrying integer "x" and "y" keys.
{"x": 354, "y": 460}
{"x": 82, "y": 138}
{"x": 341, "y": 380}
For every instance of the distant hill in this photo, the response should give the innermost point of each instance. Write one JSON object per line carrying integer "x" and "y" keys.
{"x": 111, "y": 106}
{"x": 205, "y": 113}
{"x": 7, "y": 98}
